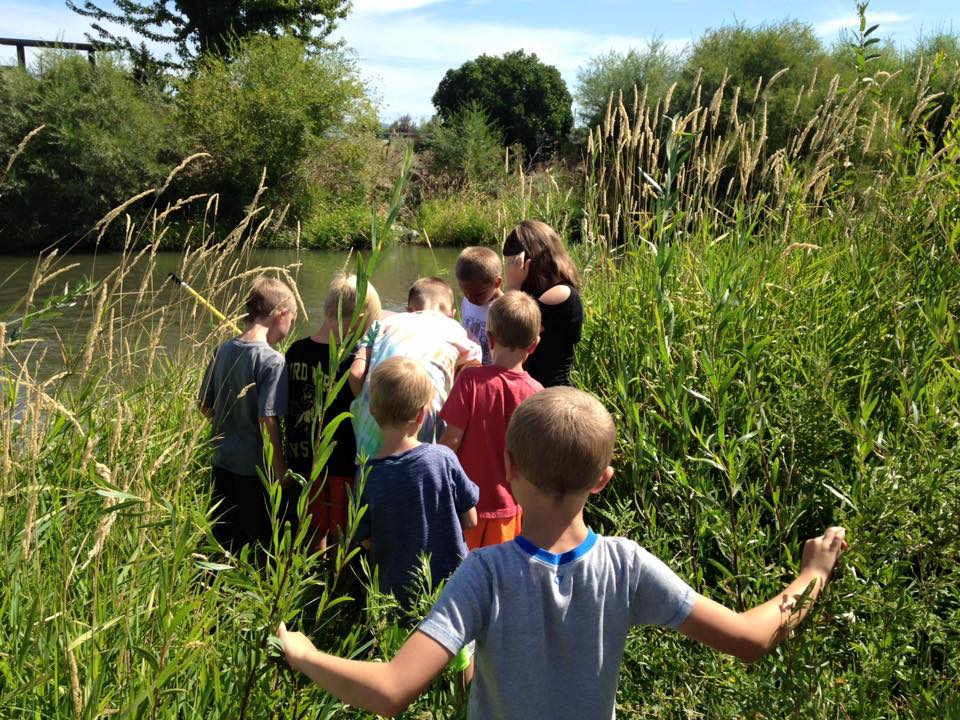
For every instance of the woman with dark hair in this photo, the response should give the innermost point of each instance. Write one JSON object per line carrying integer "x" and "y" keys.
{"x": 537, "y": 263}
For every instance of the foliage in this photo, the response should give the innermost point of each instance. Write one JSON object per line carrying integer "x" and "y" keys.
{"x": 774, "y": 363}
{"x": 199, "y": 27}
{"x": 748, "y": 58}
{"x": 653, "y": 68}
{"x": 775, "y": 372}
{"x": 298, "y": 117}
{"x": 104, "y": 138}
{"x": 460, "y": 219}
{"x": 117, "y": 598}
{"x": 467, "y": 148}
{"x": 525, "y": 98}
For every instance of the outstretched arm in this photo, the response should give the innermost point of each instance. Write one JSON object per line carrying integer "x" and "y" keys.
{"x": 381, "y": 688}
{"x": 752, "y": 634}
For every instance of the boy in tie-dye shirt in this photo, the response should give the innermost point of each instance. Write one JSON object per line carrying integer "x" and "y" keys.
{"x": 427, "y": 334}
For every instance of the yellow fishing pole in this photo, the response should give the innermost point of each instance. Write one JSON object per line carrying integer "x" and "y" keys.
{"x": 203, "y": 301}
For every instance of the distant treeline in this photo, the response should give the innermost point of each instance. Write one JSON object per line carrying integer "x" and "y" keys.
{"x": 77, "y": 141}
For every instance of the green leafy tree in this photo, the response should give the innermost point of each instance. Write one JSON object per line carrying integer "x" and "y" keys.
{"x": 525, "y": 98}
{"x": 197, "y": 27}
{"x": 104, "y": 138}
{"x": 655, "y": 67}
{"x": 303, "y": 117}
{"x": 468, "y": 148}
{"x": 746, "y": 56}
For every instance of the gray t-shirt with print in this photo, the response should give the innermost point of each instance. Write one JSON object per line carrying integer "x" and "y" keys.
{"x": 244, "y": 382}
{"x": 550, "y": 629}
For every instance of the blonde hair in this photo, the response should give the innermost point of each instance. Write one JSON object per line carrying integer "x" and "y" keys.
{"x": 341, "y": 301}
{"x": 267, "y": 295}
{"x": 399, "y": 387}
{"x": 550, "y": 264}
{"x": 478, "y": 264}
{"x": 514, "y": 320}
{"x": 431, "y": 293}
{"x": 561, "y": 440}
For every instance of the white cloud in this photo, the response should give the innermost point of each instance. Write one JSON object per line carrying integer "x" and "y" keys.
{"x": 372, "y": 7}
{"x": 828, "y": 27}
{"x": 409, "y": 55}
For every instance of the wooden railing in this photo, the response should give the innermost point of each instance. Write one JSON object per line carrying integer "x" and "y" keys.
{"x": 22, "y": 45}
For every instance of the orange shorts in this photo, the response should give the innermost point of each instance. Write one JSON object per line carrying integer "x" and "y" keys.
{"x": 329, "y": 503}
{"x": 493, "y": 531}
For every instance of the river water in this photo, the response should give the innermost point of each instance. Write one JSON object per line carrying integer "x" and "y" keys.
{"x": 398, "y": 268}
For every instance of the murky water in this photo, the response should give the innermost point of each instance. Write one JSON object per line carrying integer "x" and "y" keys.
{"x": 398, "y": 268}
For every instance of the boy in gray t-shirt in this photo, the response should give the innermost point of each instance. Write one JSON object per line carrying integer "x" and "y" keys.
{"x": 550, "y": 611}
{"x": 244, "y": 392}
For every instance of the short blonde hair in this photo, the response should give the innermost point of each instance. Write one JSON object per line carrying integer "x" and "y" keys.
{"x": 478, "y": 264}
{"x": 431, "y": 293}
{"x": 399, "y": 387}
{"x": 266, "y": 296}
{"x": 561, "y": 440}
{"x": 341, "y": 301}
{"x": 514, "y": 320}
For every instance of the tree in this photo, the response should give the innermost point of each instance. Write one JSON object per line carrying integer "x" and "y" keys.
{"x": 468, "y": 148}
{"x": 197, "y": 27}
{"x": 304, "y": 118}
{"x": 655, "y": 67}
{"x": 105, "y": 138}
{"x": 525, "y": 98}
{"x": 745, "y": 56}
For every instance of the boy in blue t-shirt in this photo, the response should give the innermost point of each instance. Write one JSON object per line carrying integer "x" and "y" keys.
{"x": 418, "y": 498}
{"x": 550, "y": 611}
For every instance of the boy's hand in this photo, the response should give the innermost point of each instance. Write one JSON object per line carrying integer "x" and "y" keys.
{"x": 296, "y": 646}
{"x": 820, "y": 554}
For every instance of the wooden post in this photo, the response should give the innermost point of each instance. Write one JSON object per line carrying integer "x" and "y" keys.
{"x": 21, "y": 57}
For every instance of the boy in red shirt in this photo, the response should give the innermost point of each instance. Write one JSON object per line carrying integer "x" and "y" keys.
{"x": 479, "y": 407}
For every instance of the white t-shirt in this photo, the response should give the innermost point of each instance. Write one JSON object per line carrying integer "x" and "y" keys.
{"x": 474, "y": 321}
{"x": 550, "y": 629}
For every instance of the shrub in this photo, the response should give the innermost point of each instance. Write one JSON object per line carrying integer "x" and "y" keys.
{"x": 277, "y": 109}
{"x": 468, "y": 148}
{"x": 105, "y": 139}
{"x": 460, "y": 219}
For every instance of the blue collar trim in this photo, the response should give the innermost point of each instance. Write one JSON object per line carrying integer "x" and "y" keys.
{"x": 538, "y": 553}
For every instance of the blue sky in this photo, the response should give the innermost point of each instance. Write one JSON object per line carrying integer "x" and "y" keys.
{"x": 405, "y": 46}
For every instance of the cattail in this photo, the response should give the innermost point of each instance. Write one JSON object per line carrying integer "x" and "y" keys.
{"x": 75, "y": 692}
{"x": 94, "y": 330}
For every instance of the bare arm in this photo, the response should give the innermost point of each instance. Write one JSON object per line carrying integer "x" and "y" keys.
{"x": 358, "y": 370}
{"x": 752, "y": 634}
{"x": 381, "y": 688}
{"x": 272, "y": 425}
{"x": 468, "y": 519}
{"x": 451, "y": 437}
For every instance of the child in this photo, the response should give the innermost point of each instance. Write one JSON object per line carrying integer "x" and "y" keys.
{"x": 550, "y": 611}
{"x": 245, "y": 389}
{"x": 427, "y": 334}
{"x": 538, "y": 264}
{"x": 308, "y": 365}
{"x": 478, "y": 272}
{"x": 418, "y": 498}
{"x": 479, "y": 408}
